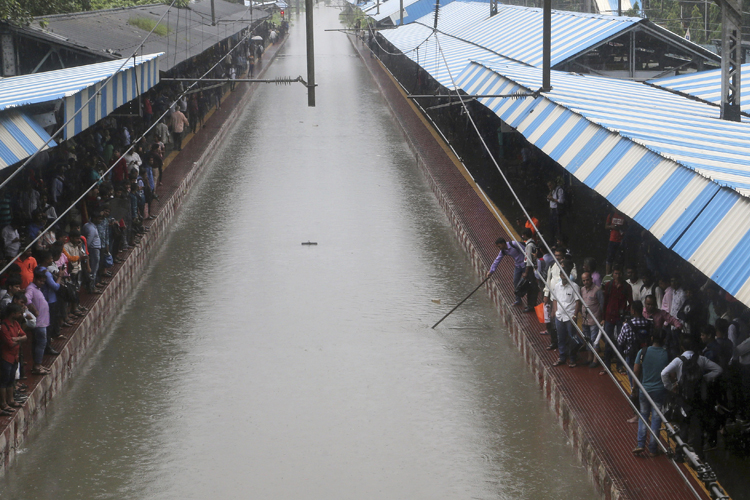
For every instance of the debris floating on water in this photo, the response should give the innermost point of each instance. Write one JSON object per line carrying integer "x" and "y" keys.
{"x": 309, "y": 242}
{"x": 436, "y": 301}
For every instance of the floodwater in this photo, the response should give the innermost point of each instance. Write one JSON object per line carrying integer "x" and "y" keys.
{"x": 250, "y": 366}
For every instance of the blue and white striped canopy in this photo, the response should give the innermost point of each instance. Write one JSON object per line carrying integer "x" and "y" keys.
{"x": 427, "y": 49}
{"x": 413, "y": 9}
{"x": 75, "y": 85}
{"x": 125, "y": 86}
{"x": 515, "y": 32}
{"x": 20, "y": 137}
{"x": 705, "y": 85}
{"x": 54, "y": 85}
{"x": 667, "y": 162}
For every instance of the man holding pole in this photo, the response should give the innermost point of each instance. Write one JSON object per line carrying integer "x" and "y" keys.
{"x": 515, "y": 250}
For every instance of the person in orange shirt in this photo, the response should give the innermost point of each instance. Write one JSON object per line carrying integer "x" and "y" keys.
{"x": 526, "y": 224}
{"x": 27, "y": 263}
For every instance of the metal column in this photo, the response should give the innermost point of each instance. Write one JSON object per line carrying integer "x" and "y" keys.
{"x": 546, "y": 46}
{"x": 731, "y": 58}
{"x": 310, "y": 53}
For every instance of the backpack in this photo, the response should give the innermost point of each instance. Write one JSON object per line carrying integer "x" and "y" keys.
{"x": 642, "y": 335}
{"x": 689, "y": 385}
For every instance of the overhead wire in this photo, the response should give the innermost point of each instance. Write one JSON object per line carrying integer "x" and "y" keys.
{"x": 80, "y": 110}
{"x": 132, "y": 146}
{"x": 602, "y": 334}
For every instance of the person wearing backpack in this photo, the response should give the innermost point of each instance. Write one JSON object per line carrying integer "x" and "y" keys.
{"x": 649, "y": 363}
{"x": 634, "y": 336}
{"x": 686, "y": 377}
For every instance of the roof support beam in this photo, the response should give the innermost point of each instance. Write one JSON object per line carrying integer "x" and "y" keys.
{"x": 546, "y": 45}
{"x": 49, "y": 52}
{"x": 731, "y": 58}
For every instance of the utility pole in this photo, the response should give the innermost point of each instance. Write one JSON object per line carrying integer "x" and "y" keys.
{"x": 546, "y": 46}
{"x": 213, "y": 13}
{"x": 731, "y": 58}
{"x": 401, "y": 10}
{"x": 310, "y": 53}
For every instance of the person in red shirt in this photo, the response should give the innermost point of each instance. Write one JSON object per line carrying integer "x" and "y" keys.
{"x": 120, "y": 170}
{"x": 27, "y": 263}
{"x": 11, "y": 337}
{"x": 616, "y": 225}
{"x": 618, "y": 295}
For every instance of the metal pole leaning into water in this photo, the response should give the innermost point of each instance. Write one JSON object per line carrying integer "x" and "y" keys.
{"x": 459, "y": 304}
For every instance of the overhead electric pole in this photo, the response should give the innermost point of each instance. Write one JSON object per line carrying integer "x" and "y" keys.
{"x": 731, "y": 58}
{"x": 546, "y": 45}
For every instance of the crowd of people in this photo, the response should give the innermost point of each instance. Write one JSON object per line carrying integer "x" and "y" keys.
{"x": 41, "y": 290}
{"x": 686, "y": 339}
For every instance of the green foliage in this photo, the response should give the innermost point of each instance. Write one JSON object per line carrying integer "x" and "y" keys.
{"x": 634, "y": 12}
{"x": 147, "y": 24}
{"x": 678, "y": 18}
{"x": 349, "y": 18}
{"x": 21, "y": 11}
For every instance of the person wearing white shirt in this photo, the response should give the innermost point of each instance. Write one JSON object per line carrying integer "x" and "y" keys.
{"x": 566, "y": 307}
{"x": 11, "y": 240}
{"x": 634, "y": 282}
{"x": 556, "y": 198}
{"x": 133, "y": 161}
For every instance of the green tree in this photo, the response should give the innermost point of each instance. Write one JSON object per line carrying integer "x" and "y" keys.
{"x": 633, "y": 12}
{"x": 21, "y": 11}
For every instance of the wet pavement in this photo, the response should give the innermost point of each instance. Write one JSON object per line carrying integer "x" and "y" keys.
{"x": 251, "y": 366}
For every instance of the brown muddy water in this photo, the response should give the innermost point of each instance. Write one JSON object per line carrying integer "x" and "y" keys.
{"x": 250, "y": 366}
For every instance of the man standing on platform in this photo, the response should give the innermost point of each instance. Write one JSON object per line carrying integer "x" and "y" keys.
{"x": 618, "y": 296}
{"x": 91, "y": 233}
{"x": 593, "y": 299}
{"x": 566, "y": 307}
{"x": 532, "y": 289}
{"x": 38, "y": 306}
{"x": 556, "y": 198}
{"x": 515, "y": 250}
{"x": 179, "y": 122}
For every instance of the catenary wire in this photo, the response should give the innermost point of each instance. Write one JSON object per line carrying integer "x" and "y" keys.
{"x": 549, "y": 249}
{"x": 133, "y": 144}
{"x": 80, "y": 110}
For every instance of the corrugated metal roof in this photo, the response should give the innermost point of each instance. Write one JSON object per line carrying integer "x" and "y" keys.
{"x": 53, "y": 85}
{"x": 127, "y": 85}
{"x": 516, "y": 32}
{"x": 108, "y": 33}
{"x": 705, "y": 85}
{"x": 20, "y": 137}
{"x": 420, "y": 44}
{"x": 665, "y": 161}
{"x": 680, "y": 129}
{"x": 413, "y": 9}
